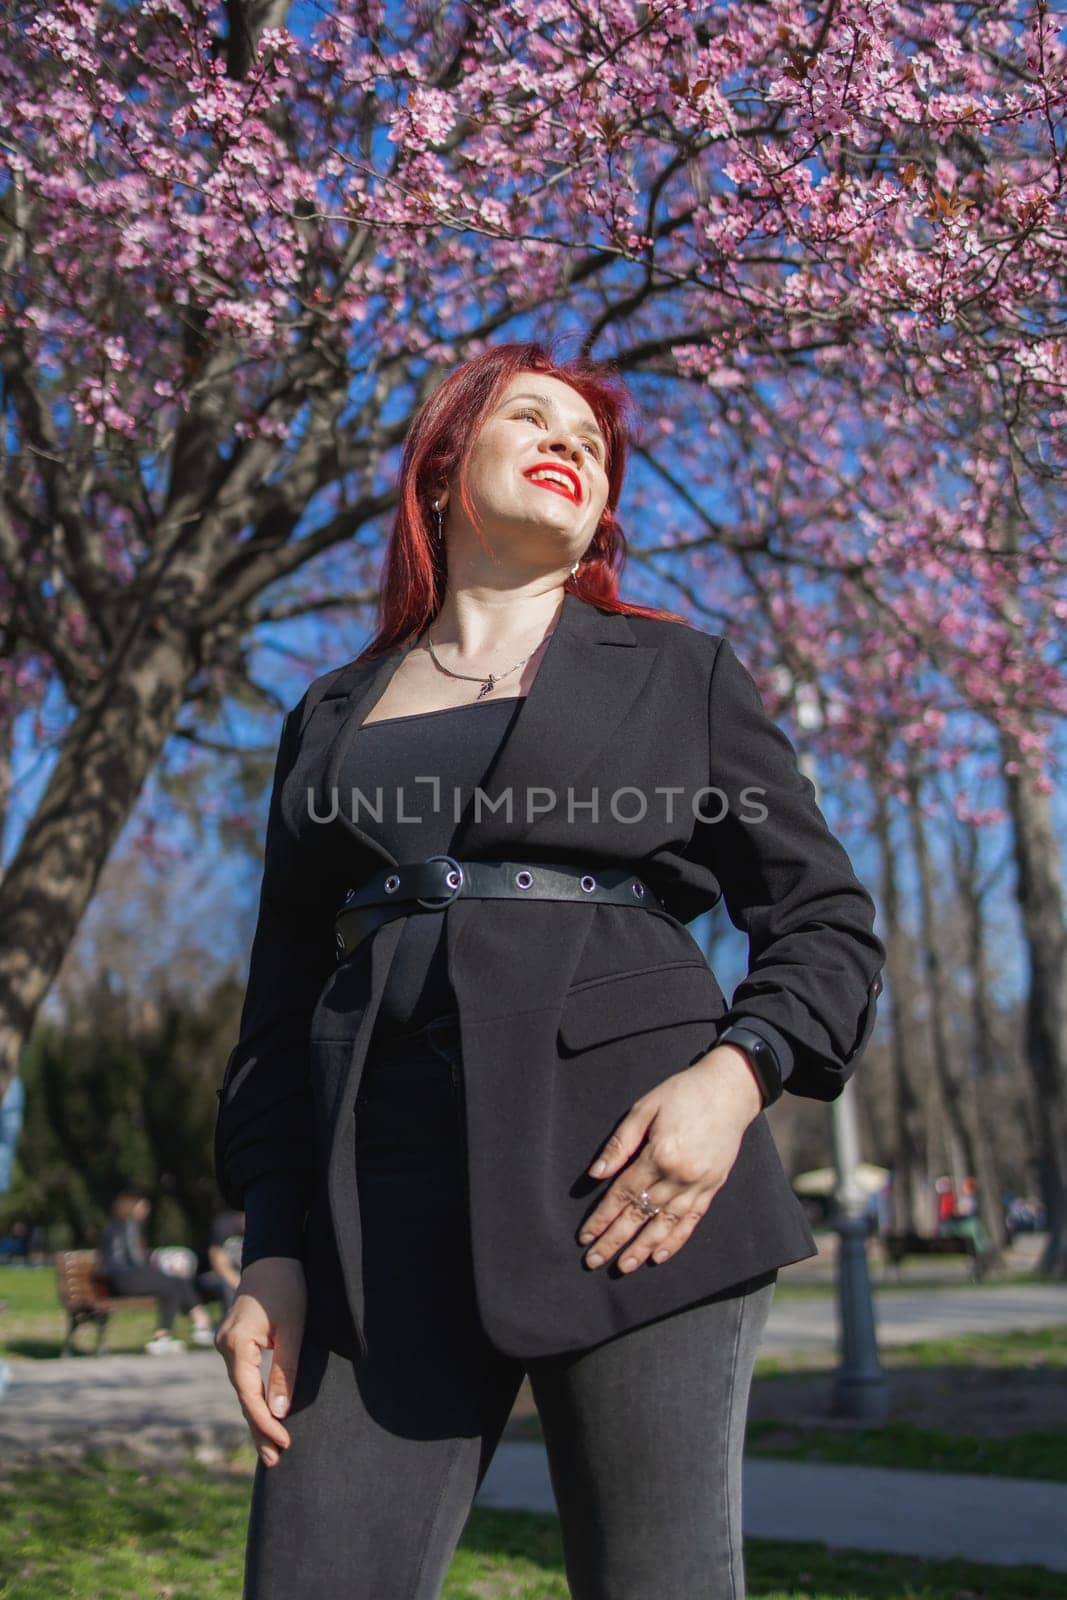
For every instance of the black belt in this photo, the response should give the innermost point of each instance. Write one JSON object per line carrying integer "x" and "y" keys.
{"x": 433, "y": 884}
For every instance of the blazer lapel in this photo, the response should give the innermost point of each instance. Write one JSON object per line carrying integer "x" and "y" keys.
{"x": 589, "y": 677}
{"x": 360, "y": 686}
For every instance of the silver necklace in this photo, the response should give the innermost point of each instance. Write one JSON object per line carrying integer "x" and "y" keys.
{"x": 487, "y": 683}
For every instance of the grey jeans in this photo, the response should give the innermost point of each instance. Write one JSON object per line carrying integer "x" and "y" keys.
{"x": 644, "y": 1432}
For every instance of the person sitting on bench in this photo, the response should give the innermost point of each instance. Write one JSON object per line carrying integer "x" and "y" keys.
{"x": 124, "y": 1263}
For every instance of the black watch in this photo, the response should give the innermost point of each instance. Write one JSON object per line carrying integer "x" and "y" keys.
{"x": 762, "y": 1056}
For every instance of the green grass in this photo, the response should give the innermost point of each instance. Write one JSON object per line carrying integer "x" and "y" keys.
{"x": 1034, "y": 1347}
{"x": 1035, "y": 1455}
{"x": 798, "y": 1290}
{"x": 110, "y": 1529}
{"x": 903, "y": 1445}
{"x": 33, "y": 1325}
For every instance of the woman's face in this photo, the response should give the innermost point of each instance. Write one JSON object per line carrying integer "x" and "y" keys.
{"x": 539, "y": 427}
{"x": 142, "y": 1209}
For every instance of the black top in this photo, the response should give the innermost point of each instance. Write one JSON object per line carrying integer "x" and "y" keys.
{"x": 407, "y": 781}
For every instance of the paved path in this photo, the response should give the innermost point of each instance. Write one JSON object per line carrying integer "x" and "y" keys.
{"x": 1004, "y": 1521}
{"x": 185, "y": 1402}
{"x": 157, "y": 1403}
{"x": 1021, "y": 1257}
{"x": 188, "y": 1398}
{"x": 903, "y": 1316}
{"x": 167, "y": 1405}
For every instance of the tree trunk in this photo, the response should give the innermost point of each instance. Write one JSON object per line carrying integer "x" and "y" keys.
{"x": 910, "y": 1197}
{"x": 987, "y": 1168}
{"x": 931, "y": 931}
{"x": 105, "y": 758}
{"x": 1040, "y": 895}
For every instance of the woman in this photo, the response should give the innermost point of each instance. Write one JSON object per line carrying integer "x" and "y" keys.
{"x": 126, "y": 1268}
{"x": 489, "y": 1113}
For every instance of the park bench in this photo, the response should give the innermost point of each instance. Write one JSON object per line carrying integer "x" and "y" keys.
{"x": 85, "y": 1296}
{"x": 899, "y": 1245}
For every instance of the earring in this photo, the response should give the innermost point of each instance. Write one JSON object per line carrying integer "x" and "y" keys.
{"x": 440, "y": 521}
{"x": 574, "y": 569}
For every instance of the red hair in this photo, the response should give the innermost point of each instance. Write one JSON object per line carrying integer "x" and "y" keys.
{"x": 440, "y": 440}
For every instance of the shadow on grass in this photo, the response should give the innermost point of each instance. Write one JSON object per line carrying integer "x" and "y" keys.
{"x": 37, "y": 1349}
{"x": 47, "y": 1350}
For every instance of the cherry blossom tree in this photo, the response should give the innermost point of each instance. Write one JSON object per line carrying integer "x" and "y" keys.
{"x": 241, "y": 242}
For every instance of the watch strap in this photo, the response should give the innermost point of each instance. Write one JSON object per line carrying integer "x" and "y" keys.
{"x": 762, "y": 1058}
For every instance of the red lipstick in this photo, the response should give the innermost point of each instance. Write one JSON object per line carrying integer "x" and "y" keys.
{"x": 566, "y": 472}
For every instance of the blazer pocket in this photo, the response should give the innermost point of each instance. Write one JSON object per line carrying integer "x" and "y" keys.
{"x": 635, "y": 1002}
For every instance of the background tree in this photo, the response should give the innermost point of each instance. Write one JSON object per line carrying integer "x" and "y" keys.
{"x": 239, "y": 243}
{"x": 121, "y": 1099}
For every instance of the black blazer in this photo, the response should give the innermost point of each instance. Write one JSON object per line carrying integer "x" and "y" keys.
{"x": 568, "y": 1011}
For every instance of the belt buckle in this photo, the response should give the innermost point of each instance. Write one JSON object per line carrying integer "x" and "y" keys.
{"x": 457, "y": 873}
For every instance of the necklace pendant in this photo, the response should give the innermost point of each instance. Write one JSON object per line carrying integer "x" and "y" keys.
{"x": 486, "y": 686}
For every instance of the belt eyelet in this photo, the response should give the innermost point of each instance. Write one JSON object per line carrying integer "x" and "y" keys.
{"x": 453, "y": 878}
{"x": 392, "y": 883}
{"x": 523, "y": 878}
{"x": 638, "y": 889}
{"x": 588, "y": 883}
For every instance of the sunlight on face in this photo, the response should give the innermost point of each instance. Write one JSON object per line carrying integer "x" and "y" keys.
{"x": 541, "y": 426}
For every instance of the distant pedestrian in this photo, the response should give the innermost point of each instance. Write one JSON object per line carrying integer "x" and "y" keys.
{"x": 125, "y": 1264}
{"x": 946, "y": 1204}
{"x": 220, "y": 1264}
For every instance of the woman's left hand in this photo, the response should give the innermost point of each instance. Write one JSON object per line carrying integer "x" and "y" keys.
{"x": 695, "y": 1122}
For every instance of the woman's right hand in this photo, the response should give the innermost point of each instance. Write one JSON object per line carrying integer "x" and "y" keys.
{"x": 267, "y": 1314}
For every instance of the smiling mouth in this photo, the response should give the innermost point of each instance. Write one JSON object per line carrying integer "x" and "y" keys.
{"x": 549, "y": 483}
{"x": 557, "y": 488}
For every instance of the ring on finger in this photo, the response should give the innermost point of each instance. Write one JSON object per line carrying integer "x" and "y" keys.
{"x": 661, "y": 1250}
{"x": 629, "y": 1259}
